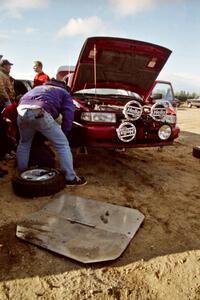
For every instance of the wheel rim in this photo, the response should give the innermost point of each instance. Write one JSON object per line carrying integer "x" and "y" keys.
{"x": 38, "y": 174}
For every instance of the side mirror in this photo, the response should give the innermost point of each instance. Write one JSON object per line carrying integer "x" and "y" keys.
{"x": 156, "y": 96}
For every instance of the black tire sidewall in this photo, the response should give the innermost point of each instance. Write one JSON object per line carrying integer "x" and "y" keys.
{"x": 30, "y": 189}
{"x": 196, "y": 151}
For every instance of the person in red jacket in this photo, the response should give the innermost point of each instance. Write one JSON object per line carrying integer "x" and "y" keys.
{"x": 40, "y": 77}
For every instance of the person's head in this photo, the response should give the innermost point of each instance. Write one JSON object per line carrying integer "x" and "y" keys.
{"x": 37, "y": 66}
{"x": 6, "y": 65}
{"x": 58, "y": 83}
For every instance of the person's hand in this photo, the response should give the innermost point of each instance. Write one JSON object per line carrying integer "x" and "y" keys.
{"x": 18, "y": 98}
{"x": 7, "y": 120}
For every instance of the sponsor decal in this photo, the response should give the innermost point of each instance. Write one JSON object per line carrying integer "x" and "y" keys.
{"x": 126, "y": 132}
{"x": 132, "y": 110}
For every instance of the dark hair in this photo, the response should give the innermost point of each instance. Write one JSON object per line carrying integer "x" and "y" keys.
{"x": 56, "y": 82}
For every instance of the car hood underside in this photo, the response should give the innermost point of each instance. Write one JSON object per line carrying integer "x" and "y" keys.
{"x": 106, "y": 62}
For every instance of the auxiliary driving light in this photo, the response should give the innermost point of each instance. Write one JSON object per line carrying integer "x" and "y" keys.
{"x": 164, "y": 132}
{"x": 126, "y": 132}
{"x": 132, "y": 110}
{"x": 158, "y": 111}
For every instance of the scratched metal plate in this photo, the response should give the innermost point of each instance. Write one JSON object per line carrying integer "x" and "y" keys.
{"x": 85, "y": 230}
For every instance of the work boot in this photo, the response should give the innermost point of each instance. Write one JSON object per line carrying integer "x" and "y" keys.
{"x": 77, "y": 181}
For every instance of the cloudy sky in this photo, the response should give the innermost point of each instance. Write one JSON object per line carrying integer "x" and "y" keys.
{"x": 54, "y": 31}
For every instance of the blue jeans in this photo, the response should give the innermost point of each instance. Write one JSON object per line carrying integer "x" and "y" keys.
{"x": 29, "y": 124}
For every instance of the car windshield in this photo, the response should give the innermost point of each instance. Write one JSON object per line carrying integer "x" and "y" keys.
{"x": 108, "y": 92}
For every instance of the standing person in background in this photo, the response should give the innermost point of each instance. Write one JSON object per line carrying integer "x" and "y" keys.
{"x": 41, "y": 77}
{"x": 7, "y": 92}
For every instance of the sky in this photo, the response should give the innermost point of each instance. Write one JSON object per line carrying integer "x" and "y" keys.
{"x": 54, "y": 32}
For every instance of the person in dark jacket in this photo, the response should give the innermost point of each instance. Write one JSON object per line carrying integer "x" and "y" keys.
{"x": 7, "y": 142}
{"x": 37, "y": 111}
{"x": 7, "y": 93}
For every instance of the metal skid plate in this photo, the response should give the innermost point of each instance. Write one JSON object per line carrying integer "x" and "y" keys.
{"x": 85, "y": 230}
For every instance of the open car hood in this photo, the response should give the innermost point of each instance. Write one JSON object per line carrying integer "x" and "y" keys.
{"x": 109, "y": 62}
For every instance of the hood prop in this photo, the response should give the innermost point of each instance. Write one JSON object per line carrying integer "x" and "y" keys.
{"x": 95, "y": 69}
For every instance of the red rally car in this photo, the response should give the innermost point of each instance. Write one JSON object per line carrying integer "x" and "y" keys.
{"x": 118, "y": 101}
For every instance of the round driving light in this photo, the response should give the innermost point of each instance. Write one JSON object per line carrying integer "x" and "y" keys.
{"x": 158, "y": 111}
{"x": 126, "y": 132}
{"x": 132, "y": 110}
{"x": 164, "y": 132}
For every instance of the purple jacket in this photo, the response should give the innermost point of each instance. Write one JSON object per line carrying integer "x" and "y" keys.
{"x": 55, "y": 100}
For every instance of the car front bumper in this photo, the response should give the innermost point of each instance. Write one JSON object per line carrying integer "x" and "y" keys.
{"x": 106, "y": 136}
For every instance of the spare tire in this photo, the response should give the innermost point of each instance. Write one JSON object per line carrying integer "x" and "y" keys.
{"x": 37, "y": 182}
{"x": 196, "y": 151}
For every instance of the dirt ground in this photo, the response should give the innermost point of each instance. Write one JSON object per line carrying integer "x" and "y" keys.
{"x": 162, "y": 261}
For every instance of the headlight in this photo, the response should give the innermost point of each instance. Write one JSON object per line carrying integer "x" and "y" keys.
{"x": 171, "y": 119}
{"x": 164, "y": 132}
{"x": 99, "y": 117}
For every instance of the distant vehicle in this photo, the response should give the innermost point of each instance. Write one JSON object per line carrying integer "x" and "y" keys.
{"x": 193, "y": 102}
